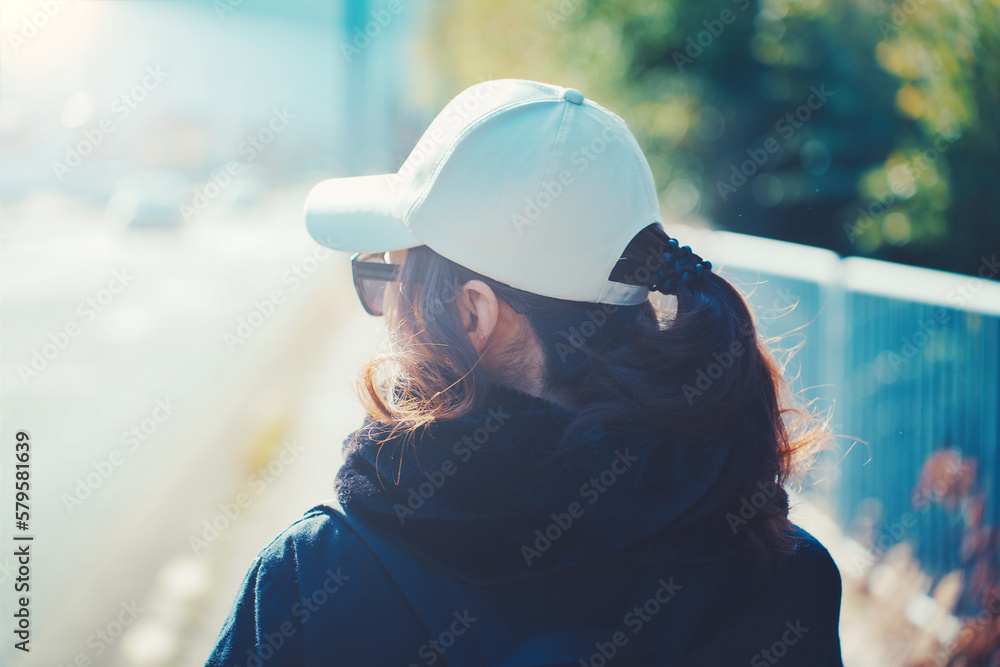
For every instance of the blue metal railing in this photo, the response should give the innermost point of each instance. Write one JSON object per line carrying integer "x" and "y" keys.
{"x": 909, "y": 361}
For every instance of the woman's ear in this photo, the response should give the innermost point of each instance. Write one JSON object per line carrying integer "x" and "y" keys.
{"x": 479, "y": 309}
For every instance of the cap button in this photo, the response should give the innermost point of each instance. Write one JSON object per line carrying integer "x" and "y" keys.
{"x": 573, "y": 95}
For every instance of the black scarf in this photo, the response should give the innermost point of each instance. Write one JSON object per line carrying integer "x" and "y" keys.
{"x": 490, "y": 497}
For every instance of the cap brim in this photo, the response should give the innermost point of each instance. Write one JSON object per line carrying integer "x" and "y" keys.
{"x": 359, "y": 214}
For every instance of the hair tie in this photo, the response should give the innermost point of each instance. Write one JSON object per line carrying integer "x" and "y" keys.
{"x": 680, "y": 267}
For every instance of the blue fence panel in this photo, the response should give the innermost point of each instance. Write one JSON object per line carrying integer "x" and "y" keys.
{"x": 922, "y": 376}
{"x": 910, "y": 360}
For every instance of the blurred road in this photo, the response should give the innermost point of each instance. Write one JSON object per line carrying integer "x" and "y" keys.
{"x": 157, "y": 372}
{"x": 186, "y": 389}
{"x": 328, "y": 414}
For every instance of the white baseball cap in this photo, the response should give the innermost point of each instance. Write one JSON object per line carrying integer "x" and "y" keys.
{"x": 527, "y": 183}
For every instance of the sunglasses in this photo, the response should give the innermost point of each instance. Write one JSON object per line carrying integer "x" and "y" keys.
{"x": 371, "y": 273}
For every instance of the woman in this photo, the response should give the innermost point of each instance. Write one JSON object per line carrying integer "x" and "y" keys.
{"x": 553, "y": 470}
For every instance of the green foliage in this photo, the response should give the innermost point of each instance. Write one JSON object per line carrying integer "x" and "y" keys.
{"x": 862, "y": 126}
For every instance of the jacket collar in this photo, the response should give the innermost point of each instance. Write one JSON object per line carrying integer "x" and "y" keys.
{"x": 490, "y": 497}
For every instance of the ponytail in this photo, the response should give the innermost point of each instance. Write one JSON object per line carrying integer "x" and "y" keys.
{"x": 699, "y": 372}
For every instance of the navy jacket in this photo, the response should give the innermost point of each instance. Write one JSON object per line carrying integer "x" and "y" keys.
{"x": 626, "y": 543}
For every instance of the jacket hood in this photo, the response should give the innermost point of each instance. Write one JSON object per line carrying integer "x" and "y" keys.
{"x": 492, "y": 497}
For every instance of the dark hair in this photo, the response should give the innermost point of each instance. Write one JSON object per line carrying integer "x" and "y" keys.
{"x": 618, "y": 364}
